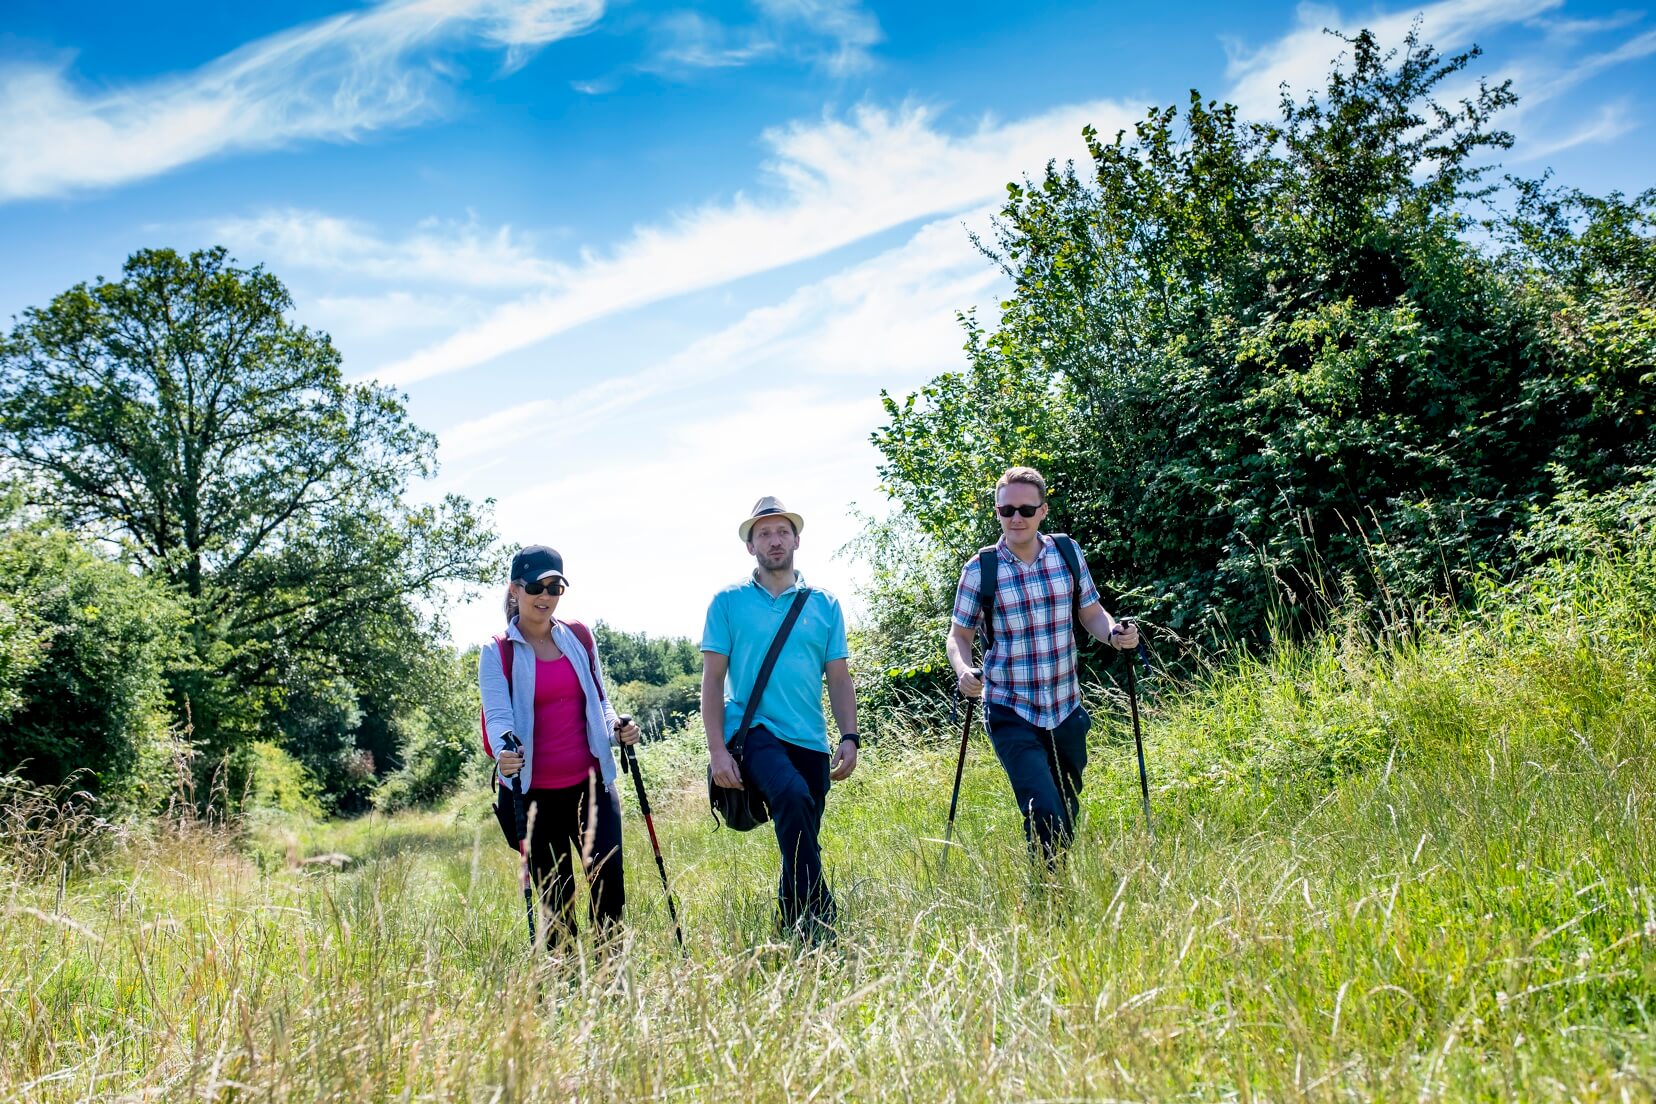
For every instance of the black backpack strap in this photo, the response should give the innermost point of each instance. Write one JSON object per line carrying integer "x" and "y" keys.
{"x": 740, "y": 740}
{"x": 1071, "y": 552}
{"x": 988, "y": 577}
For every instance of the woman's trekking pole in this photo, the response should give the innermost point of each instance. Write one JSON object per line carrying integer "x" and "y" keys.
{"x": 520, "y": 815}
{"x": 629, "y": 763}
{"x": 1138, "y": 742}
{"x": 954, "y": 799}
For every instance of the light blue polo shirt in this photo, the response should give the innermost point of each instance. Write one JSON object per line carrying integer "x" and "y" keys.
{"x": 741, "y": 622}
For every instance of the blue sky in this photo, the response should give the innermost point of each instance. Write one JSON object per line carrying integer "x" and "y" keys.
{"x": 639, "y": 264}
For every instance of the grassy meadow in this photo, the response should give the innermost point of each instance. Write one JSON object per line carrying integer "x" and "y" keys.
{"x": 1410, "y": 868}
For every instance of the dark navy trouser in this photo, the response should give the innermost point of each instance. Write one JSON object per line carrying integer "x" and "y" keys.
{"x": 1044, "y": 765}
{"x": 794, "y": 782}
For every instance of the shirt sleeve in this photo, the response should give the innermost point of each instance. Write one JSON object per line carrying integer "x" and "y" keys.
{"x": 968, "y": 608}
{"x": 497, "y": 697}
{"x": 1089, "y": 592}
{"x": 838, "y": 648}
{"x": 716, "y": 632}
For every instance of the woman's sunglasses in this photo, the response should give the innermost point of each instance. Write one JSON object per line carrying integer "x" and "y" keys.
{"x": 1021, "y": 511}
{"x": 553, "y": 587}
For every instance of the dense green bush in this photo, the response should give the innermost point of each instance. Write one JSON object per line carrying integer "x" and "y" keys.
{"x": 1273, "y": 369}
{"x": 659, "y": 708}
{"x": 439, "y": 746}
{"x": 94, "y": 698}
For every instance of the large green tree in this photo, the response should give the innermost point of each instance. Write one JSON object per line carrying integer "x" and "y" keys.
{"x": 180, "y": 413}
{"x": 1270, "y": 365}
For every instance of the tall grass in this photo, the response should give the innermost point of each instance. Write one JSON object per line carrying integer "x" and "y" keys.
{"x": 1411, "y": 869}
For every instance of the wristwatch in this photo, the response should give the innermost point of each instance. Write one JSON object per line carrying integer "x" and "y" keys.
{"x": 856, "y": 740}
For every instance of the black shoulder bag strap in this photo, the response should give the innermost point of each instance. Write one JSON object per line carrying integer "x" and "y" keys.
{"x": 781, "y": 638}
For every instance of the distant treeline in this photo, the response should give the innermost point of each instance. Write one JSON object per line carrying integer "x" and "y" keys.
{"x": 657, "y": 679}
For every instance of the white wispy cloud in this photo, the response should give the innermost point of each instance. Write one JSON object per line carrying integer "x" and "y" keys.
{"x": 891, "y": 317}
{"x": 850, "y": 27}
{"x": 1566, "y": 30}
{"x": 1611, "y": 121}
{"x": 391, "y": 313}
{"x": 831, "y": 183}
{"x": 333, "y": 79}
{"x": 836, "y": 35}
{"x": 455, "y": 254}
{"x": 691, "y": 40}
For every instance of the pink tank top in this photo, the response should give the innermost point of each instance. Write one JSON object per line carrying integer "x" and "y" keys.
{"x": 562, "y": 757}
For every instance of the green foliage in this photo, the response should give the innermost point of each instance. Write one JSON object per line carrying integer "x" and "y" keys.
{"x": 897, "y": 655}
{"x": 439, "y": 745}
{"x": 180, "y": 410}
{"x": 656, "y": 679}
{"x": 1266, "y": 371}
{"x": 660, "y": 708}
{"x": 639, "y": 657}
{"x": 91, "y": 695}
{"x": 279, "y": 782}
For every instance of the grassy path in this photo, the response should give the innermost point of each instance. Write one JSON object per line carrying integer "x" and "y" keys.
{"x": 1397, "y": 874}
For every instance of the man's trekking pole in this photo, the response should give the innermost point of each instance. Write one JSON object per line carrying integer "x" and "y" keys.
{"x": 629, "y": 763}
{"x": 520, "y": 815}
{"x": 960, "y": 767}
{"x": 1138, "y": 742}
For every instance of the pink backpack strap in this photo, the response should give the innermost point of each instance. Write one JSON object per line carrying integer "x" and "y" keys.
{"x": 584, "y": 635}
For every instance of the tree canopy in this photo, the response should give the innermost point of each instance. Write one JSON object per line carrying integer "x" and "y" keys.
{"x": 180, "y": 416}
{"x": 1269, "y": 365}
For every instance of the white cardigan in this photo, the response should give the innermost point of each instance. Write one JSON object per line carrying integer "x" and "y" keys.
{"x": 515, "y": 713}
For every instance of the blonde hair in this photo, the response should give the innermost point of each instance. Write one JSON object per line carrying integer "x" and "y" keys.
{"x": 511, "y": 604}
{"x": 1023, "y": 475}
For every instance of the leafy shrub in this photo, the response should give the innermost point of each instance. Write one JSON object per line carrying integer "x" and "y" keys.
{"x": 96, "y": 699}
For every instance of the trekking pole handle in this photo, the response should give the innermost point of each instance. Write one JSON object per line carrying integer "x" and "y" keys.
{"x": 513, "y": 744}
{"x": 622, "y": 720}
{"x": 1141, "y": 651}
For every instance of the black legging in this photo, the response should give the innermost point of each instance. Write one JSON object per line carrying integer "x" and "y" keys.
{"x": 585, "y": 820}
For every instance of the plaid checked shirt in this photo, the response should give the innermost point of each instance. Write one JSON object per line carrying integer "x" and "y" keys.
{"x": 1031, "y": 668}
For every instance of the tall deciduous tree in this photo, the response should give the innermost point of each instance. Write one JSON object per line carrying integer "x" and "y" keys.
{"x": 179, "y": 412}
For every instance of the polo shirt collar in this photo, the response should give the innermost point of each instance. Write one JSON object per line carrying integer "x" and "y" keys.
{"x": 753, "y": 581}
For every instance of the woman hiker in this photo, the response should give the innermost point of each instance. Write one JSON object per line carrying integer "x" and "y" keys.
{"x": 551, "y": 720}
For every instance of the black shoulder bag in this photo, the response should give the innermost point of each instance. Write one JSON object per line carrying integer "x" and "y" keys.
{"x": 744, "y": 809}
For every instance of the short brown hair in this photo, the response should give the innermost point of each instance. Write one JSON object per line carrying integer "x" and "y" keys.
{"x": 1023, "y": 475}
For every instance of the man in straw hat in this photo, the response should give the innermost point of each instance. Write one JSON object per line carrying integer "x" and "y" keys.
{"x": 787, "y": 754}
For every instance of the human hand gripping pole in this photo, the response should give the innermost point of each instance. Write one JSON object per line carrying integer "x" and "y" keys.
{"x": 520, "y": 813}
{"x": 629, "y": 763}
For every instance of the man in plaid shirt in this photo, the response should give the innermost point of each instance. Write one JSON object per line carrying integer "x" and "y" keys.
{"x": 1032, "y": 707}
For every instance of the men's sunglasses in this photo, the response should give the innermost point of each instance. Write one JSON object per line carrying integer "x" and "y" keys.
{"x": 1021, "y": 511}
{"x": 553, "y": 587}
